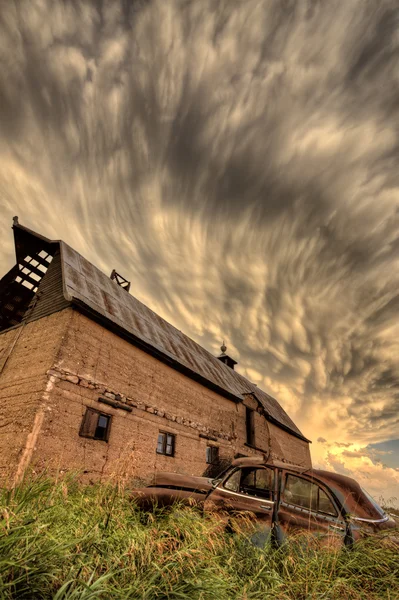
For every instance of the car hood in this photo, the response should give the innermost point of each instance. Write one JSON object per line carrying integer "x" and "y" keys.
{"x": 182, "y": 482}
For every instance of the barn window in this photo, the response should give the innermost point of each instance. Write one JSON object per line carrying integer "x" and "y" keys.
{"x": 250, "y": 426}
{"x": 166, "y": 443}
{"x": 95, "y": 425}
{"x": 212, "y": 454}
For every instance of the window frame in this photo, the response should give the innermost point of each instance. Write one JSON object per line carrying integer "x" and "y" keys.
{"x": 165, "y": 444}
{"x": 91, "y": 435}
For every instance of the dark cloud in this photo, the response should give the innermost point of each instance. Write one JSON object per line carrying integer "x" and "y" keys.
{"x": 237, "y": 161}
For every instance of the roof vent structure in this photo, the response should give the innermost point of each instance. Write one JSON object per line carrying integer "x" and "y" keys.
{"x": 18, "y": 287}
{"x": 124, "y": 283}
{"x": 225, "y": 358}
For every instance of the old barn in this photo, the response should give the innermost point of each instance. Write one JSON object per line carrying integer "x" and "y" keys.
{"x": 93, "y": 380}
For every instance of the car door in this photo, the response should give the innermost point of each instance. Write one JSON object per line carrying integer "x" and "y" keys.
{"x": 245, "y": 498}
{"x": 306, "y": 506}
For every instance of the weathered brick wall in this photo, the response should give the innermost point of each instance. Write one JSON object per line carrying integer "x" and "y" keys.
{"x": 130, "y": 451}
{"x": 23, "y": 385}
{"x": 64, "y": 363}
{"x": 93, "y": 363}
{"x": 289, "y": 448}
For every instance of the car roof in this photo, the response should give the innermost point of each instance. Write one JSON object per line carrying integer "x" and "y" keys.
{"x": 258, "y": 460}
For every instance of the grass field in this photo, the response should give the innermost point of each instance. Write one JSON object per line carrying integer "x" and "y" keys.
{"x": 61, "y": 540}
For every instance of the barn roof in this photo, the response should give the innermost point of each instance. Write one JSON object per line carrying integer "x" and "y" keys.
{"x": 93, "y": 292}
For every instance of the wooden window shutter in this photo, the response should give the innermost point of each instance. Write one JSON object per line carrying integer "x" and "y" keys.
{"x": 89, "y": 423}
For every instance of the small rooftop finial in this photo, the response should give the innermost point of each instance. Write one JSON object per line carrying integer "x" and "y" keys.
{"x": 15, "y": 221}
{"x": 227, "y": 360}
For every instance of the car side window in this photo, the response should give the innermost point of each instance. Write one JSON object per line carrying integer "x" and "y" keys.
{"x": 306, "y": 494}
{"x": 252, "y": 482}
{"x": 257, "y": 482}
{"x": 325, "y": 505}
{"x": 232, "y": 483}
{"x": 300, "y": 492}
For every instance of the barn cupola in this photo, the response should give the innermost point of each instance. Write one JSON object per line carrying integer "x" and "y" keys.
{"x": 225, "y": 358}
{"x": 18, "y": 288}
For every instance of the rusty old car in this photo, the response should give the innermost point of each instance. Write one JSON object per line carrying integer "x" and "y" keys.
{"x": 281, "y": 499}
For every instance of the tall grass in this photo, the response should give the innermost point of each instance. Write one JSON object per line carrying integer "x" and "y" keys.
{"x": 62, "y": 540}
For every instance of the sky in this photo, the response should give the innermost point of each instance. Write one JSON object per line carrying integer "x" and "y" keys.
{"x": 237, "y": 162}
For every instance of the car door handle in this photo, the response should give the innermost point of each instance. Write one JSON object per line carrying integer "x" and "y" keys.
{"x": 265, "y": 506}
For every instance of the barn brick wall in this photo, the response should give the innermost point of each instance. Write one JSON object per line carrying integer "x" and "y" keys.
{"x": 288, "y": 447}
{"x": 95, "y": 363}
{"x": 24, "y": 384}
{"x": 64, "y": 363}
{"x": 130, "y": 450}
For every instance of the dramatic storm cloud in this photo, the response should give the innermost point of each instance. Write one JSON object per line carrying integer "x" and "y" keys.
{"x": 238, "y": 162}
